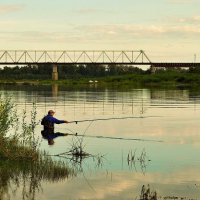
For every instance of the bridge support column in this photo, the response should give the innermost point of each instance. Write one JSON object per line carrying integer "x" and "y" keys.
{"x": 153, "y": 69}
{"x": 55, "y": 72}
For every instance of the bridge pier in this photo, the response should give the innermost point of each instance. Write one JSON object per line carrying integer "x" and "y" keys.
{"x": 152, "y": 69}
{"x": 55, "y": 72}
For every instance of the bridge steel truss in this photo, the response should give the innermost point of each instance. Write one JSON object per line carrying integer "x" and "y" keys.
{"x": 127, "y": 57}
{"x": 9, "y": 57}
{"x": 32, "y": 57}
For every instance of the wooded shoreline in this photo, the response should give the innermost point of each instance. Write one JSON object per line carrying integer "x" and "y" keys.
{"x": 171, "y": 78}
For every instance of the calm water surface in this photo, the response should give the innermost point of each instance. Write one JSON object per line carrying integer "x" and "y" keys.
{"x": 166, "y": 153}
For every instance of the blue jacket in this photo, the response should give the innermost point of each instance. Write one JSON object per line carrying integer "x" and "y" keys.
{"x": 48, "y": 123}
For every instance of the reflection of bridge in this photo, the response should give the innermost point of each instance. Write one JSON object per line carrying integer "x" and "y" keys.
{"x": 127, "y": 57}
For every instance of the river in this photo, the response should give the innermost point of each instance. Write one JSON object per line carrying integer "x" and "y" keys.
{"x": 143, "y": 139}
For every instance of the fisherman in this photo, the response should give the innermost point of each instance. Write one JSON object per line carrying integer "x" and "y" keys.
{"x": 48, "y": 124}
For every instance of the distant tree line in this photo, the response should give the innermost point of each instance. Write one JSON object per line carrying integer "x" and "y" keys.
{"x": 44, "y": 71}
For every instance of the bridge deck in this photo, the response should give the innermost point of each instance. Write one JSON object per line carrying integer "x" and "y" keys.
{"x": 126, "y": 57}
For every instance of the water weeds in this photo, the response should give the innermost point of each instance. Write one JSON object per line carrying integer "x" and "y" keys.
{"x": 29, "y": 175}
{"x": 133, "y": 158}
{"x": 147, "y": 194}
{"x": 77, "y": 153}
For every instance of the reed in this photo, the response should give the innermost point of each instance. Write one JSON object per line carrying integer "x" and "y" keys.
{"x": 76, "y": 154}
{"x": 16, "y": 143}
{"x": 7, "y": 117}
{"x": 27, "y": 177}
{"x": 22, "y": 163}
{"x": 147, "y": 194}
{"x": 133, "y": 158}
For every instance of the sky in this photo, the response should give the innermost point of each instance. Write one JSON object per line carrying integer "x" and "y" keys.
{"x": 167, "y": 30}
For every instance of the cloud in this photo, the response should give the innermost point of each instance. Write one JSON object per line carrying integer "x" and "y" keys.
{"x": 88, "y": 11}
{"x": 103, "y": 33}
{"x": 173, "y": 39}
{"x": 40, "y": 37}
{"x": 4, "y": 9}
{"x": 180, "y": 1}
{"x": 194, "y": 19}
{"x": 138, "y": 31}
{"x": 128, "y": 185}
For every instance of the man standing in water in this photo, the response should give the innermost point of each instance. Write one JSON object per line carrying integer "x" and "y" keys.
{"x": 48, "y": 124}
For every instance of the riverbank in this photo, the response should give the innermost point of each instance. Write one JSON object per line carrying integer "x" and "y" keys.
{"x": 167, "y": 79}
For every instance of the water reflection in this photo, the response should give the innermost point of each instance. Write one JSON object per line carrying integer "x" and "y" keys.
{"x": 134, "y": 160}
{"x": 147, "y": 194}
{"x": 55, "y": 90}
{"x": 101, "y": 100}
{"x": 93, "y": 100}
{"x": 76, "y": 155}
{"x": 28, "y": 177}
{"x": 172, "y": 169}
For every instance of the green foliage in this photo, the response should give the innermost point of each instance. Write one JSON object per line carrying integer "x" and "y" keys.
{"x": 44, "y": 71}
{"x": 28, "y": 130}
{"x": 8, "y": 116}
{"x": 74, "y": 75}
{"x": 21, "y": 161}
{"x": 17, "y": 142}
{"x": 29, "y": 176}
{"x": 194, "y": 70}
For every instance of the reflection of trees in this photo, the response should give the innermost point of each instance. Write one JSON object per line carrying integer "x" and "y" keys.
{"x": 27, "y": 176}
{"x": 82, "y": 99}
{"x": 173, "y": 95}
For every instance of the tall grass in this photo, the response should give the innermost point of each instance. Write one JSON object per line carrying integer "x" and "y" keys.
{"x": 26, "y": 177}
{"x": 22, "y": 164}
{"x": 16, "y": 142}
{"x": 8, "y": 116}
{"x": 17, "y": 136}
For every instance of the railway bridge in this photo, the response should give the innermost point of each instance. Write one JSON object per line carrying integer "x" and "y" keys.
{"x": 102, "y": 57}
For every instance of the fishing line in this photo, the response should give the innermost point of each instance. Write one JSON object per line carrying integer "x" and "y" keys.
{"x": 88, "y": 127}
{"x": 107, "y": 137}
{"x": 80, "y": 140}
{"x": 112, "y": 118}
{"x": 114, "y": 138}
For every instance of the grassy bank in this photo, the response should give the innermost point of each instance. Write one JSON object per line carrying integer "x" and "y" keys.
{"x": 165, "y": 78}
{"x": 17, "y": 139}
{"x": 18, "y": 142}
{"x": 22, "y": 164}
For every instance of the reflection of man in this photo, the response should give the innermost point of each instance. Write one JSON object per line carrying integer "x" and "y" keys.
{"x": 48, "y": 124}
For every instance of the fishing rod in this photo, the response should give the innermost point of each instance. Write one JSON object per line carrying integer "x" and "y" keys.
{"x": 113, "y": 138}
{"x": 104, "y": 119}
